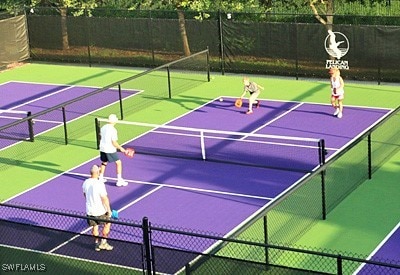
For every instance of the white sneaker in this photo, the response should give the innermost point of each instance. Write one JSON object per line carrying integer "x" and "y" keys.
{"x": 336, "y": 112}
{"x": 103, "y": 180}
{"x": 340, "y": 115}
{"x": 121, "y": 183}
{"x": 105, "y": 246}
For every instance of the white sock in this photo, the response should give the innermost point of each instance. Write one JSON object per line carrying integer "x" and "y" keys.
{"x": 119, "y": 177}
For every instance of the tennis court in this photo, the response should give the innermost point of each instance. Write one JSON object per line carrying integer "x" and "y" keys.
{"x": 176, "y": 187}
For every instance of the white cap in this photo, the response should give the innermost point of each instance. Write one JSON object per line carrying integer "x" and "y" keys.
{"x": 112, "y": 118}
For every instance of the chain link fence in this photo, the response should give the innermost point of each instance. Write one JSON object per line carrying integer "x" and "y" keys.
{"x": 267, "y": 43}
{"x": 35, "y": 239}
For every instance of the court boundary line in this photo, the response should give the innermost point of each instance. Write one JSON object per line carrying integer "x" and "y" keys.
{"x": 276, "y": 118}
{"x": 313, "y": 103}
{"x": 378, "y": 247}
{"x": 183, "y": 187}
{"x": 70, "y": 85}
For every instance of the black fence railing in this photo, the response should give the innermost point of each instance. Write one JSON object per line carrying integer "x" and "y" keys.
{"x": 57, "y": 241}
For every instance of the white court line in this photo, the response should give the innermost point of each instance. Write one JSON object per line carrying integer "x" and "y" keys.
{"x": 275, "y": 119}
{"x": 39, "y": 98}
{"x": 184, "y": 188}
{"x": 380, "y": 245}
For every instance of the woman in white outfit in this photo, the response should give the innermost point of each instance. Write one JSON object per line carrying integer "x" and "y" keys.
{"x": 337, "y": 91}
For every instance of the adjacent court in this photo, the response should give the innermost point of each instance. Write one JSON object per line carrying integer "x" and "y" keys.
{"x": 175, "y": 179}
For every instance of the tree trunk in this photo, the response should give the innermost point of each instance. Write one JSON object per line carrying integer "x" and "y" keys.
{"x": 329, "y": 15}
{"x": 328, "y": 10}
{"x": 64, "y": 28}
{"x": 182, "y": 29}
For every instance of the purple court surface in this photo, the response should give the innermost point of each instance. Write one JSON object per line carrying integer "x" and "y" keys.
{"x": 388, "y": 250}
{"x": 44, "y": 96}
{"x": 200, "y": 195}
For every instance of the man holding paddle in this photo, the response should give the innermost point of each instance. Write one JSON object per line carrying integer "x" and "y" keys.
{"x": 97, "y": 207}
{"x": 108, "y": 149}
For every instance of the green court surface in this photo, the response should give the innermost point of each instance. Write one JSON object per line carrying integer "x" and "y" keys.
{"x": 356, "y": 226}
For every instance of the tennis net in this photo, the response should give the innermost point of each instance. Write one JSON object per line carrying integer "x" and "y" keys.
{"x": 259, "y": 150}
{"x": 14, "y": 126}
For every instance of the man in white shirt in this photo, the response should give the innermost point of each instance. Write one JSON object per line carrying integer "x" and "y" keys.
{"x": 97, "y": 207}
{"x": 108, "y": 149}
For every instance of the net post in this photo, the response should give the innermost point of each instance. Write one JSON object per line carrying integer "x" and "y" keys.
{"x": 30, "y": 127}
{"x": 97, "y": 129}
{"x": 121, "y": 109}
{"x": 202, "y": 145}
{"x": 146, "y": 243}
{"x": 65, "y": 125}
{"x": 169, "y": 83}
{"x": 322, "y": 153}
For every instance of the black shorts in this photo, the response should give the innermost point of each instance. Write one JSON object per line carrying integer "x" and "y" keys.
{"x": 109, "y": 157}
{"x": 93, "y": 222}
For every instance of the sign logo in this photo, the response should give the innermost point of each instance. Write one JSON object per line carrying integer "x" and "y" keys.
{"x": 337, "y": 46}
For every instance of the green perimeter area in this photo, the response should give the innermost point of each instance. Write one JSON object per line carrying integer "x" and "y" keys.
{"x": 357, "y": 225}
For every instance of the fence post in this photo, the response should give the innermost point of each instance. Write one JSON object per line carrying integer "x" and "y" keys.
{"x": 221, "y": 43}
{"x": 187, "y": 269}
{"x": 169, "y": 83}
{"x": 151, "y": 38}
{"x": 266, "y": 241}
{"x": 121, "y": 108}
{"x": 339, "y": 265}
{"x": 369, "y": 157}
{"x": 208, "y": 64}
{"x": 323, "y": 195}
{"x": 89, "y": 38}
{"x": 147, "y": 245}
